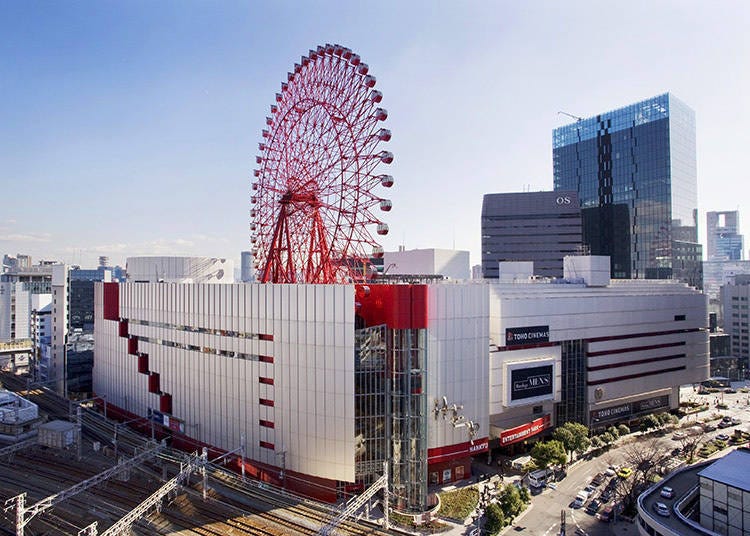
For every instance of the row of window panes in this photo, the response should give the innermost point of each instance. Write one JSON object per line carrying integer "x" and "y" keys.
{"x": 194, "y": 329}
{"x": 204, "y": 349}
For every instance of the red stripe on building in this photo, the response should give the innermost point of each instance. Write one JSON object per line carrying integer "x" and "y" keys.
{"x": 396, "y": 306}
{"x": 525, "y": 431}
{"x": 111, "y": 298}
{"x": 461, "y": 450}
{"x": 165, "y": 403}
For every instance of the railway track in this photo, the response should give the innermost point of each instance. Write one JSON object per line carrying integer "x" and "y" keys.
{"x": 233, "y": 507}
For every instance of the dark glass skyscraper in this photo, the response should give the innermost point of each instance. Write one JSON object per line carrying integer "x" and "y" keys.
{"x": 542, "y": 227}
{"x": 635, "y": 173}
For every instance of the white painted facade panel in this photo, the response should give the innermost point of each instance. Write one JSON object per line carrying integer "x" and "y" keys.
{"x": 179, "y": 269}
{"x": 453, "y": 264}
{"x": 218, "y": 397}
{"x": 457, "y": 359}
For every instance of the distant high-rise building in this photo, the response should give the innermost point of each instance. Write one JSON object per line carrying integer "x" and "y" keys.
{"x": 723, "y": 239}
{"x": 542, "y": 227}
{"x": 735, "y": 297}
{"x": 634, "y": 169}
{"x": 247, "y": 274}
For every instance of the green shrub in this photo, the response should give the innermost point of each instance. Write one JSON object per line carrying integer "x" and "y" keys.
{"x": 495, "y": 519}
{"x": 623, "y": 429}
{"x": 458, "y": 504}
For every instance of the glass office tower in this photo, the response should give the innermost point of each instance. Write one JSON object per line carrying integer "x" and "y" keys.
{"x": 635, "y": 173}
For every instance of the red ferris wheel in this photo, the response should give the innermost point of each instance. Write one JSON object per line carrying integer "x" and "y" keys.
{"x": 314, "y": 195}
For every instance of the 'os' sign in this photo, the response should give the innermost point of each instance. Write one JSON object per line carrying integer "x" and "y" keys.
{"x": 563, "y": 200}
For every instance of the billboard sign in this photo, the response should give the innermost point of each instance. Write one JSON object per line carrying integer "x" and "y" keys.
{"x": 526, "y": 335}
{"x": 651, "y": 404}
{"x": 531, "y": 382}
{"x": 525, "y": 431}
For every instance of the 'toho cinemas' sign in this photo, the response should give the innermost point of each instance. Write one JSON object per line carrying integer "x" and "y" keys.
{"x": 526, "y": 335}
{"x": 530, "y": 382}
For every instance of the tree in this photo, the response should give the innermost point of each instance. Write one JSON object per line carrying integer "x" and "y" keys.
{"x": 614, "y": 432}
{"x": 596, "y": 442}
{"x": 607, "y": 438}
{"x": 690, "y": 439}
{"x": 495, "y": 519}
{"x": 650, "y": 422}
{"x": 645, "y": 458}
{"x": 510, "y": 501}
{"x": 546, "y": 453}
{"x": 574, "y": 436}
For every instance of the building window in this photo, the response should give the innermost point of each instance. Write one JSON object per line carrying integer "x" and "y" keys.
{"x": 679, "y": 318}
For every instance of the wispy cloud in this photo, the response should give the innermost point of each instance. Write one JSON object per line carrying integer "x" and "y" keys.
{"x": 25, "y": 237}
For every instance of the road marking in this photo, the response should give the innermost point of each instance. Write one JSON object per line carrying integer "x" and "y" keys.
{"x": 578, "y": 530}
{"x": 549, "y": 529}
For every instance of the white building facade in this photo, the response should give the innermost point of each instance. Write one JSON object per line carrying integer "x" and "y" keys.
{"x": 327, "y": 382}
{"x": 449, "y": 263}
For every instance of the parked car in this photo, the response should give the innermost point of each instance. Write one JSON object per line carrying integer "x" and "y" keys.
{"x": 725, "y": 424}
{"x": 679, "y": 435}
{"x": 661, "y": 509}
{"x": 593, "y": 507}
{"x": 625, "y": 472}
{"x": 667, "y": 492}
{"x": 730, "y": 391}
{"x": 598, "y": 479}
{"x": 606, "y": 495}
{"x": 722, "y": 437}
{"x": 709, "y": 427}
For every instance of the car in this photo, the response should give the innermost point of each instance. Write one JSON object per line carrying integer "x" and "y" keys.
{"x": 708, "y": 427}
{"x": 676, "y": 451}
{"x": 590, "y": 490}
{"x": 736, "y": 421}
{"x": 625, "y": 472}
{"x": 730, "y": 391}
{"x": 725, "y": 424}
{"x": 606, "y": 495}
{"x": 578, "y": 502}
{"x": 722, "y": 437}
{"x": 667, "y": 492}
{"x": 593, "y": 507}
{"x": 661, "y": 509}
{"x": 598, "y": 479}
{"x": 679, "y": 435}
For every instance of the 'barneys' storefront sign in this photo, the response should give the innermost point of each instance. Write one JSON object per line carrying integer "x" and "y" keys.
{"x": 530, "y": 382}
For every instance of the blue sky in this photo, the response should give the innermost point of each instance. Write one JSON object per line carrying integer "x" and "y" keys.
{"x": 131, "y": 127}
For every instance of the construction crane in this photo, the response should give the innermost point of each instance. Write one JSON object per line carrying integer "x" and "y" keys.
{"x": 579, "y": 119}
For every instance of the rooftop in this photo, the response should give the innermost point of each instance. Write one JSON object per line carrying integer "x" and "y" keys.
{"x": 732, "y": 470}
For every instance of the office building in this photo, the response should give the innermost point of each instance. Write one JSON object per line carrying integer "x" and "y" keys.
{"x": 723, "y": 239}
{"x": 710, "y": 498}
{"x": 735, "y": 298}
{"x": 541, "y": 227}
{"x": 634, "y": 169}
{"x": 717, "y": 273}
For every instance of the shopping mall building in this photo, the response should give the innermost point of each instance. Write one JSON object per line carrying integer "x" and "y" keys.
{"x": 321, "y": 384}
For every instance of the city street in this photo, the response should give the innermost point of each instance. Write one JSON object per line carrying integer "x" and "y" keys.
{"x": 544, "y": 515}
